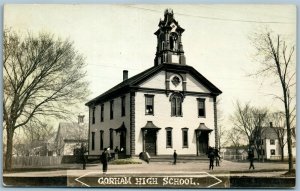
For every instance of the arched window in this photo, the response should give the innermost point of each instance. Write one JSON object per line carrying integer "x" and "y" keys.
{"x": 176, "y": 104}
{"x": 162, "y": 45}
{"x": 173, "y": 39}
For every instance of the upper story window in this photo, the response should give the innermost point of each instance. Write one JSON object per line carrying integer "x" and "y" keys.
{"x": 123, "y": 106}
{"x": 93, "y": 115}
{"x": 201, "y": 107}
{"x": 111, "y": 109}
{"x": 176, "y": 105}
{"x": 149, "y": 104}
{"x": 102, "y": 112}
{"x": 272, "y": 142}
{"x": 169, "y": 137}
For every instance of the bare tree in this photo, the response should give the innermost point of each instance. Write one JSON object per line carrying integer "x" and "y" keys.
{"x": 259, "y": 117}
{"x": 250, "y": 121}
{"x": 42, "y": 77}
{"x": 276, "y": 59}
{"x": 278, "y": 125}
{"x": 233, "y": 138}
{"x": 221, "y": 128}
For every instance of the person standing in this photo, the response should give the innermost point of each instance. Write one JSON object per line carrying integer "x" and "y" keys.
{"x": 174, "y": 157}
{"x": 251, "y": 159}
{"x": 211, "y": 155}
{"x": 104, "y": 160}
{"x": 116, "y": 156}
{"x": 82, "y": 156}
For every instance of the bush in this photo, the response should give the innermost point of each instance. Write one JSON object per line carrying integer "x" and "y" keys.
{"x": 125, "y": 161}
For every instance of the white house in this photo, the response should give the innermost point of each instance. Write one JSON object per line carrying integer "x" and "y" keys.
{"x": 71, "y": 135}
{"x": 271, "y": 145}
{"x": 167, "y": 107}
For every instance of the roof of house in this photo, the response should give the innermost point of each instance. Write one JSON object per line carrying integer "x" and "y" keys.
{"x": 270, "y": 132}
{"x": 134, "y": 81}
{"x": 71, "y": 131}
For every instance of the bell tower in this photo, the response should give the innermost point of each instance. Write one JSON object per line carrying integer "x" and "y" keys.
{"x": 169, "y": 48}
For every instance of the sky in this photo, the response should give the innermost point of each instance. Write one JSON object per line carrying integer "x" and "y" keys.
{"x": 216, "y": 42}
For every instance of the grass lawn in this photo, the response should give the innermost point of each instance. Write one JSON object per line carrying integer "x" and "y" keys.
{"x": 126, "y": 161}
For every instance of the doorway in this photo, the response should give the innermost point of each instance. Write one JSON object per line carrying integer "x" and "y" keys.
{"x": 150, "y": 142}
{"x": 202, "y": 143}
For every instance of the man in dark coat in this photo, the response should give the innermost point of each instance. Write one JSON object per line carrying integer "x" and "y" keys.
{"x": 174, "y": 157}
{"x": 104, "y": 160}
{"x": 211, "y": 155}
{"x": 82, "y": 156}
{"x": 217, "y": 157}
{"x": 251, "y": 158}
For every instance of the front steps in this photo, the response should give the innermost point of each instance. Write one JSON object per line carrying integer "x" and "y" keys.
{"x": 180, "y": 158}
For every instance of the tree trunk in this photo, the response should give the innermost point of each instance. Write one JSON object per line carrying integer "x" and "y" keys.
{"x": 288, "y": 127}
{"x": 282, "y": 153}
{"x": 9, "y": 148}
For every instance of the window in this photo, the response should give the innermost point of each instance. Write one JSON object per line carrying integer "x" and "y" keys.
{"x": 272, "y": 151}
{"x": 185, "y": 137}
{"x": 201, "y": 107}
{"x": 101, "y": 140}
{"x": 149, "y": 105}
{"x": 176, "y": 105}
{"x": 123, "y": 106}
{"x": 93, "y": 140}
{"x": 169, "y": 137}
{"x": 111, "y": 139}
{"x": 272, "y": 142}
{"x": 111, "y": 109}
{"x": 102, "y": 112}
{"x": 93, "y": 115}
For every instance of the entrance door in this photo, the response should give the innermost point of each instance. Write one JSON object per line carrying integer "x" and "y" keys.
{"x": 123, "y": 142}
{"x": 202, "y": 142}
{"x": 150, "y": 142}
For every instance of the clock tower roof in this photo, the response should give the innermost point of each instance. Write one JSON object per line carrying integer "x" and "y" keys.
{"x": 169, "y": 48}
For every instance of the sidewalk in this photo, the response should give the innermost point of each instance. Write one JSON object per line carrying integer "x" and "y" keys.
{"x": 226, "y": 168}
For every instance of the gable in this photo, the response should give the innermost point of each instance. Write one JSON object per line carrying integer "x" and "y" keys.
{"x": 156, "y": 81}
{"x": 154, "y": 78}
{"x": 194, "y": 85}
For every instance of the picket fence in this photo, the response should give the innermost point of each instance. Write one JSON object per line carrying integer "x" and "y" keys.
{"x": 36, "y": 161}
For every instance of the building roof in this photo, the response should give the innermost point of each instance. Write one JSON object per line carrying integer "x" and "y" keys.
{"x": 133, "y": 82}
{"x": 71, "y": 131}
{"x": 270, "y": 132}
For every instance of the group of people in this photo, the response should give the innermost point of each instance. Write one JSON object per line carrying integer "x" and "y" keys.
{"x": 213, "y": 154}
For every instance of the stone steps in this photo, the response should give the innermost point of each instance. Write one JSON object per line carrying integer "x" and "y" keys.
{"x": 180, "y": 158}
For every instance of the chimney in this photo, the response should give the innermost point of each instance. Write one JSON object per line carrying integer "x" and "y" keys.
{"x": 271, "y": 124}
{"x": 125, "y": 75}
{"x": 80, "y": 118}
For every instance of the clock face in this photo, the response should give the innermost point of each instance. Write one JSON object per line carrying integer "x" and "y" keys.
{"x": 175, "y": 59}
{"x": 175, "y": 81}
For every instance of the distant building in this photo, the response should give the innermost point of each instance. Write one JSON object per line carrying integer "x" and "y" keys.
{"x": 168, "y": 106}
{"x": 270, "y": 143}
{"x": 71, "y": 135}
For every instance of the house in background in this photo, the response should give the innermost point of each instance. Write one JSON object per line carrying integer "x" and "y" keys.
{"x": 170, "y": 106}
{"x": 270, "y": 143}
{"x": 71, "y": 135}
